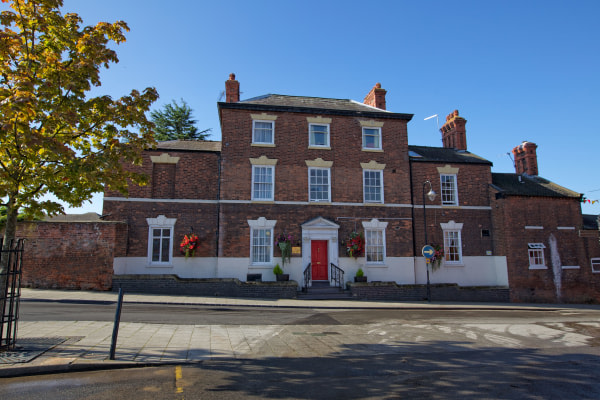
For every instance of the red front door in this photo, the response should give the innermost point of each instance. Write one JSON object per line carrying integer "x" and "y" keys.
{"x": 319, "y": 260}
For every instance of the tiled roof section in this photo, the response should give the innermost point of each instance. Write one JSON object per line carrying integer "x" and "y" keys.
{"x": 590, "y": 221}
{"x": 190, "y": 145}
{"x": 442, "y": 154}
{"x": 280, "y": 102}
{"x": 509, "y": 184}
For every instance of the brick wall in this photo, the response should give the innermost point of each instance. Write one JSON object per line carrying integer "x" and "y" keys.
{"x": 169, "y": 284}
{"x": 291, "y": 150}
{"x": 473, "y": 190}
{"x": 193, "y": 177}
{"x": 69, "y": 255}
{"x": 201, "y": 217}
{"x": 235, "y": 231}
{"x": 512, "y": 215}
{"x": 391, "y": 291}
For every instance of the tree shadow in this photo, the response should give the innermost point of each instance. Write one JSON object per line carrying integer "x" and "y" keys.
{"x": 418, "y": 372}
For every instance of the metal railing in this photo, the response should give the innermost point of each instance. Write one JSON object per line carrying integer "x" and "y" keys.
{"x": 11, "y": 262}
{"x": 337, "y": 276}
{"x": 307, "y": 276}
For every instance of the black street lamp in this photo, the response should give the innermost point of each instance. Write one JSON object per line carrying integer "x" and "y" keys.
{"x": 431, "y": 196}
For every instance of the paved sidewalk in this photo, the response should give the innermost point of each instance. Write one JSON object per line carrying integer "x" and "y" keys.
{"x": 55, "y": 346}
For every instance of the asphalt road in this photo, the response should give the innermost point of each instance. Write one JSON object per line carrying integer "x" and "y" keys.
{"x": 421, "y": 354}
{"x": 210, "y": 315}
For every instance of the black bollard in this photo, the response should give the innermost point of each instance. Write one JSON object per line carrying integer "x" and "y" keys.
{"x": 113, "y": 343}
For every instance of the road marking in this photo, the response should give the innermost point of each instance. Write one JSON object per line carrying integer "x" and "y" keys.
{"x": 178, "y": 376}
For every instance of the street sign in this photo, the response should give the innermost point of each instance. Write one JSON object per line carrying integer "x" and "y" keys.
{"x": 428, "y": 251}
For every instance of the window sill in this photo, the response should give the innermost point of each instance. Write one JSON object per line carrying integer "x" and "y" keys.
{"x": 262, "y": 201}
{"x": 260, "y": 266}
{"x": 538, "y": 267}
{"x": 570, "y": 267}
{"x": 319, "y": 147}
{"x": 319, "y": 203}
{"x": 450, "y": 265}
{"x": 168, "y": 265}
{"x": 372, "y": 204}
{"x": 450, "y": 206}
{"x": 371, "y": 266}
{"x": 262, "y": 145}
{"x": 373, "y": 150}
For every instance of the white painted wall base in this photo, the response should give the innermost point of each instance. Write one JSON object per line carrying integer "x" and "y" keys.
{"x": 475, "y": 271}
{"x": 192, "y": 267}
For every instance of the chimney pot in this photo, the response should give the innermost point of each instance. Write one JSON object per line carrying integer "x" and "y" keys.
{"x": 525, "y": 156}
{"x": 232, "y": 89}
{"x": 454, "y": 132}
{"x": 376, "y": 97}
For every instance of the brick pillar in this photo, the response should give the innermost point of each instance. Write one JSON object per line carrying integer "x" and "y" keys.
{"x": 376, "y": 97}
{"x": 454, "y": 132}
{"x": 526, "y": 158}
{"x": 232, "y": 89}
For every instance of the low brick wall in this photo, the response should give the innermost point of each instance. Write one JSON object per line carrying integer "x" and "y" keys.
{"x": 226, "y": 287}
{"x": 71, "y": 255}
{"x": 439, "y": 292}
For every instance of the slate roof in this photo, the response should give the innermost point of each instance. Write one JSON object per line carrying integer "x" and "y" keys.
{"x": 190, "y": 145}
{"x": 279, "y": 102}
{"x": 536, "y": 186}
{"x": 442, "y": 154}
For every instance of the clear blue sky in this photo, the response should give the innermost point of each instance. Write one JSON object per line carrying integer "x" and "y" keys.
{"x": 516, "y": 70}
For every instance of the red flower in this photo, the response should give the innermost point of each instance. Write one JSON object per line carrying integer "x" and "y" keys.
{"x": 189, "y": 244}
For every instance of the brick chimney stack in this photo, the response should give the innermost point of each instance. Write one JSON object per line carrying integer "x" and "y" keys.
{"x": 232, "y": 89}
{"x": 526, "y": 158}
{"x": 454, "y": 132}
{"x": 376, "y": 97}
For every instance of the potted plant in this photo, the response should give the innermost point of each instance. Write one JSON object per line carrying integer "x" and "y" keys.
{"x": 360, "y": 276}
{"x": 279, "y": 274}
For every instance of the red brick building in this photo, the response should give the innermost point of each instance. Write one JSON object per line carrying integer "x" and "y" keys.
{"x": 317, "y": 170}
{"x": 539, "y": 226}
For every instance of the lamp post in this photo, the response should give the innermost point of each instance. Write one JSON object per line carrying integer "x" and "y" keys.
{"x": 431, "y": 196}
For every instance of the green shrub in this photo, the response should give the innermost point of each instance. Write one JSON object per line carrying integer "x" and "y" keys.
{"x": 277, "y": 270}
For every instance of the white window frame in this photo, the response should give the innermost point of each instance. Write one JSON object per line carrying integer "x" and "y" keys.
{"x": 452, "y": 228}
{"x": 375, "y": 227}
{"x": 254, "y": 133}
{"x": 453, "y": 192}
{"x": 595, "y": 264}
{"x": 535, "y": 251}
{"x": 310, "y": 184}
{"x": 380, "y": 172}
{"x": 262, "y": 225}
{"x": 364, "y": 128}
{"x": 162, "y": 223}
{"x": 310, "y": 136}
{"x": 254, "y": 191}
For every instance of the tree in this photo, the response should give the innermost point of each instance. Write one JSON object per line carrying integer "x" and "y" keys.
{"x": 175, "y": 122}
{"x": 53, "y": 137}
